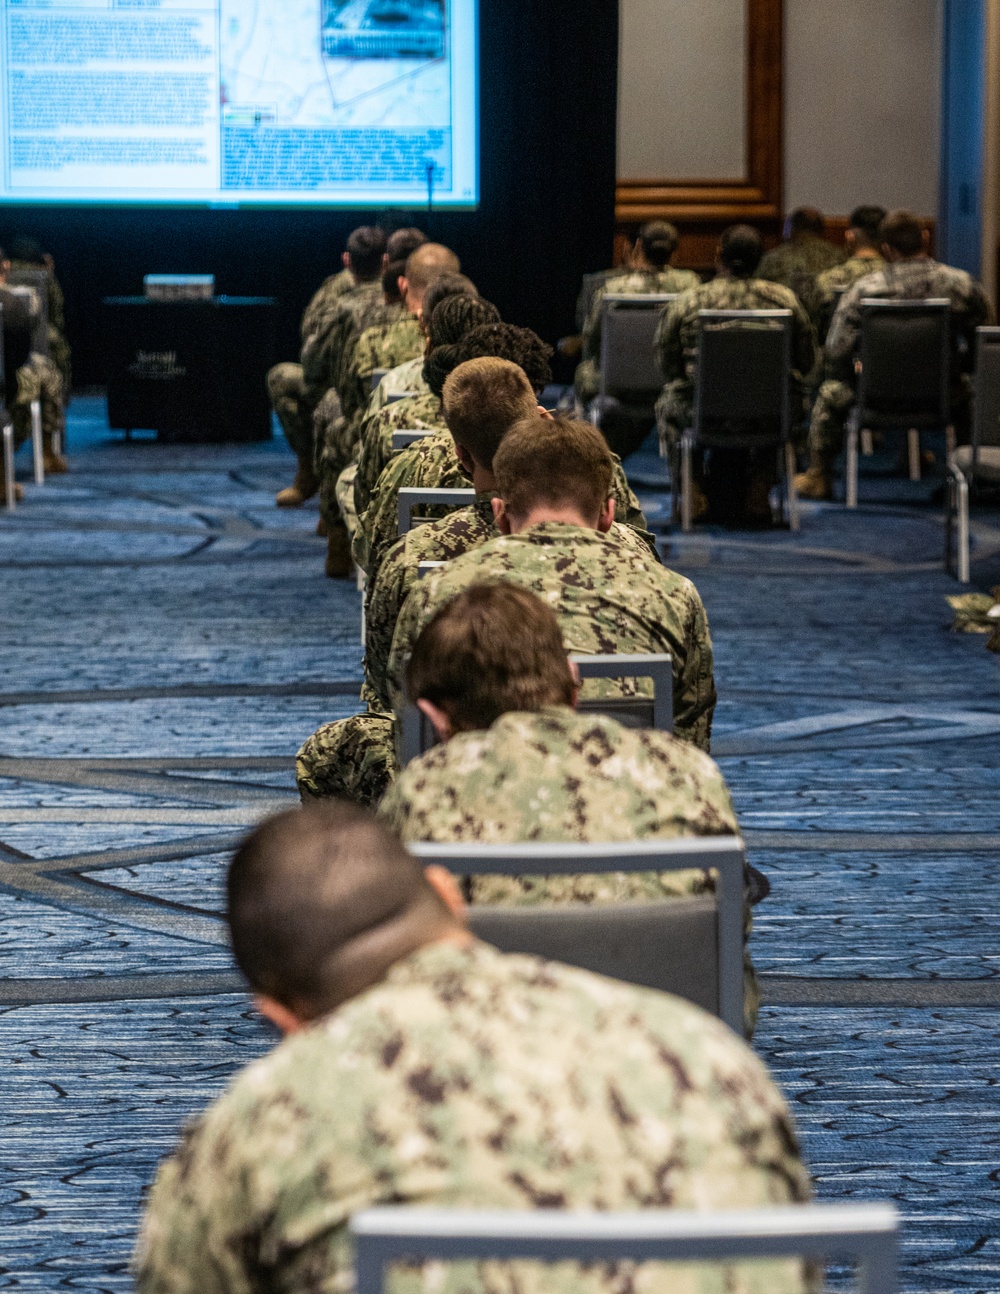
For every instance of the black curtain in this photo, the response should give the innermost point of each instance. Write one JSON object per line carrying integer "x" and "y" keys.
{"x": 548, "y": 93}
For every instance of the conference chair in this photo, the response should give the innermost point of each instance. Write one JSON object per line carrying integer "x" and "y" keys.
{"x": 867, "y": 1234}
{"x": 978, "y": 462}
{"x": 903, "y": 379}
{"x": 630, "y": 375}
{"x": 38, "y": 281}
{"x": 656, "y": 711}
{"x": 407, "y": 436}
{"x": 742, "y": 397}
{"x": 377, "y": 375}
{"x": 37, "y": 446}
{"x": 692, "y": 947}
{"x": 411, "y": 497}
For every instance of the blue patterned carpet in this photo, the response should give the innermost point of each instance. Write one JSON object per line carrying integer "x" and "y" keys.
{"x": 169, "y": 639}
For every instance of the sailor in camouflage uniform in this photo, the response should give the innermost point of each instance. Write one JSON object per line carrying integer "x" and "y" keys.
{"x": 910, "y": 274}
{"x": 864, "y": 257}
{"x": 27, "y": 254}
{"x": 515, "y": 762}
{"x": 30, "y": 376}
{"x": 805, "y": 254}
{"x": 649, "y": 272}
{"x": 421, "y": 1066}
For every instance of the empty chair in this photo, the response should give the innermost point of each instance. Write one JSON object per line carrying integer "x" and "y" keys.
{"x": 656, "y": 711}
{"x": 411, "y": 497}
{"x": 980, "y": 461}
{"x": 692, "y": 947}
{"x": 742, "y": 395}
{"x": 868, "y": 1234}
{"x": 904, "y": 378}
{"x": 407, "y": 436}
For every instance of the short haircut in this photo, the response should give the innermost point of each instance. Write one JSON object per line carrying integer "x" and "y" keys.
{"x": 390, "y": 280}
{"x": 556, "y": 462}
{"x": 447, "y": 285}
{"x": 404, "y": 242}
{"x": 427, "y": 263}
{"x": 658, "y": 240}
{"x": 867, "y": 221}
{"x": 490, "y": 649}
{"x": 741, "y": 250}
{"x": 903, "y": 232}
{"x": 806, "y": 220}
{"x": 366, "y": 247}
{"x": 483, "y": 398}
{"x": 303, "y": 885}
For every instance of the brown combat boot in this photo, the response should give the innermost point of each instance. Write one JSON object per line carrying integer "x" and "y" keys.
{"x": 814, "y": 484}
{"x": 18, "y": 491}
{"x": 54, "y": 463}
{"x": 338, "y": 552}
{"x": 303, "y": 487}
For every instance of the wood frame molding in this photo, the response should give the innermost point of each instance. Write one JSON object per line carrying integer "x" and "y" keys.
{"x": 758, "y": 196}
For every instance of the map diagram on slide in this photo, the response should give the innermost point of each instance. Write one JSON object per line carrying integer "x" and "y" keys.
{"x": 335, "y": 64}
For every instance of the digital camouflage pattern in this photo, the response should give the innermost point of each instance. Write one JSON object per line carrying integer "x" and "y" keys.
{"x": 833, "y": 283}
{"x": 592, "y": 283}
{"x": 335, "y": 329}
{"x": 677, "y": 342}
{"x": 383, "y": 344}
{"x": 978, "y": 613}
{"x": 421, "y": 411}
{"x": 470, "y": 1078}
{"x": 350, "y": 759}
{"x": 913, "y": 279}
{"x": 294, "y": 410}
{"x": 344, "y": 495}
{"x": 609, "y": 594}
{"x": 59, "y": 348}
{"x": 403, "y": 380}
{"x": 333, "y": 287}
{"x": 335, "y": 451}
{"x": 797, "y": 265}
{"x": 630, "y": 283}
{"x": 558, "y": 775}
{"x": 40, "y": 380}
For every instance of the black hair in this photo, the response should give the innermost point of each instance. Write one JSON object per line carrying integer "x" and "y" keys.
{"x": 658, "y": 240}
{"x": 366, "y": 247}
{"x": 741, "y": 250}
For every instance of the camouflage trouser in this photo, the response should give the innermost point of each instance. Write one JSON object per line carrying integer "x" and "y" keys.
{"x": 60, "y": 353}
{"x": 354, "y": 759}
{"x": 829, "y": 418}
{"x": 39, "y": 380}
{"x": 345, "y": 498}
{"x": 286, "y": 387}
{"x": 587, "y": 380}
{"x": 673, "y": 413}
{"x": 336, "y": 445}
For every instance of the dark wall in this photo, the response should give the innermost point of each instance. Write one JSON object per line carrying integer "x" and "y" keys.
{"x": 548, "y": 77}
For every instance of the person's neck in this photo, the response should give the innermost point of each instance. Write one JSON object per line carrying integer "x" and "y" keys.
{"x": 483, "y": 480}
{"x": 538, "y": 516}
{"x": 866, "y": 254}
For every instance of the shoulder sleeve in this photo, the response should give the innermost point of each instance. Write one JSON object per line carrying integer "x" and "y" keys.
{"x": 395, "y": 579}
{"x": 694, "y": 680}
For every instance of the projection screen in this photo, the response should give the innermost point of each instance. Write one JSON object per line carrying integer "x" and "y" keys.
{"x": 240, "y": 102}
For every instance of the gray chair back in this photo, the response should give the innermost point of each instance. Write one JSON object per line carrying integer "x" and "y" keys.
{"x": 411, "y": 497}
{"x": 656, "y": 711}
{"x": 867, "y": 1234}
{"x": 690, "y": 947}
{"x": 407, "y": 436}
{"x": 629, "y": 370}
{"x": 986, "y": 392}
{"x": 377, "y": 375}
{"x": 905, "y": 353}
{"x": 742, "y": 393}
{"x": 38, "y": 281}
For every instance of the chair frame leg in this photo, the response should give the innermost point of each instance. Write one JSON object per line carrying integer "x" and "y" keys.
{"x": 867, "y": 444}
{"x": 851, "y": 468}
{"x": 791, "y": 494}
{"x": 964, "y": 555}
{"x": 37, "y": 445}
{"x": 10, "y": 492}
{"x": 913, "y": 453}
{"x": 686, "y": 509}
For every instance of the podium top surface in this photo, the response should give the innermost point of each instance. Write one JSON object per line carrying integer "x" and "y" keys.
{"x": 206, "y": 303}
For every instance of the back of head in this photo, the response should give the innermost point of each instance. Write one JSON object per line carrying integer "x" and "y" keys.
{"x": 427, "y": 263}
{"x": 366, "y": 247}
{"x": 903, "y": 232}
{"x": 866, "y": 223}
{"x": 447, "y": 285}
{"x": 553, "y": 462}
{"x": 497, "y": 340}
{"x": 658, "y": 240}
{"x": 490, "y": 649}
{"x": 390, "y": 281}
{"x": 27, "y": 250}
{"x": 741, "y": 250}
{"x": 317, "y": 899}
{"x": 483, "y": 398}
{"x": 806, "y": 220}
{"x": 457, "y": 315}
{"x": 404, "y": 242}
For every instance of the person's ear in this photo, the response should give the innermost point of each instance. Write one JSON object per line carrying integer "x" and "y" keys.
{"x": 346, "y": 260}
{"x": 500, "y": 516}
{"x": 438, "y": 717}
{"x": 446, "y": 888}
{"x": 547, "y": 414}
{"x": 574, "y": 669}
{"x": 465, "y": 458}
{"x": 925, "y": 241}
{"x": 282, "y": 1017}
{"x": 607, "y": 518}
{"x": 404, "y": 287}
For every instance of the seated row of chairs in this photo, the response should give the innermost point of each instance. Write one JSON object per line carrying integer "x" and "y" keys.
{"x": 7, "y": 427}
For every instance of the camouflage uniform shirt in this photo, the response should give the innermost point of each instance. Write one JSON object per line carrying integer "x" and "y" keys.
{"x": 420, "y": 411}
{"x": 635, "y": 283}
{"x": 609, "y": 594}
{"x": 556, "y": 775}
{"x": 467, "y": 1078}
{"x": 384, "y": 344}
{"x": 337, "y": 285}
{"x": 797, "y": 265}
{"x": 336, "y": 327}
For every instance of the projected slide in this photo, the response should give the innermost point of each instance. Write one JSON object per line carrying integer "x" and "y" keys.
{"x": 240, "y": 102}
